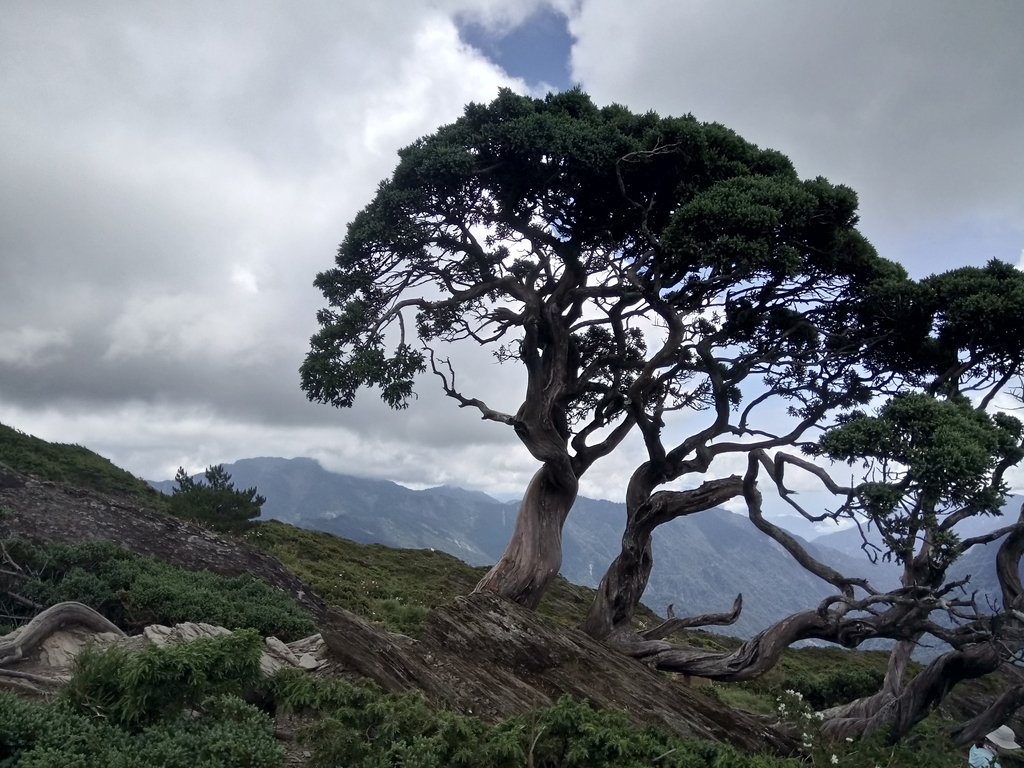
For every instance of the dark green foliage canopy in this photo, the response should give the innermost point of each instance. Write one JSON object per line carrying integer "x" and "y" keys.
{"x": 937, "y": 450}
{"x": 550, "y": 229}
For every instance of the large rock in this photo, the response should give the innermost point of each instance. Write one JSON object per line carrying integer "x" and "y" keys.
{"x": 39, "y": 657}
{"x": 489, "y": 657}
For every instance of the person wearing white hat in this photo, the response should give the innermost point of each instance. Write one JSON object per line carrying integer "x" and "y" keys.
{"x": 983, "y": 753}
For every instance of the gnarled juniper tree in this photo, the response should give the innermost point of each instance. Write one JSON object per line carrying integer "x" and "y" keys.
{"x": 637, "y": 267}
{"x": 588, "y": 246}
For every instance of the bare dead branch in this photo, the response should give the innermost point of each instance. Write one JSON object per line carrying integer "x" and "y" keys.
{"x": 448, "y": 385}
{"x": 17, "y": 645}
{"x": 753, "y": 498}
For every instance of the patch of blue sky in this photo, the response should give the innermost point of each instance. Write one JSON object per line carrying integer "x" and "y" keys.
{"x": 940, "y": 248}
{"x": 537, "y": 51}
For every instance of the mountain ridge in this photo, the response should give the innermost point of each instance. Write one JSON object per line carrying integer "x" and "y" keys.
{"x": 701, "y": 562}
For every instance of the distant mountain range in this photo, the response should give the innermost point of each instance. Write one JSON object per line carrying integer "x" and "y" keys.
{"x": 701, "y": 562}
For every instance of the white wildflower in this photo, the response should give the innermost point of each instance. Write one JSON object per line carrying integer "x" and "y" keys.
{"x": 834, "y": 760}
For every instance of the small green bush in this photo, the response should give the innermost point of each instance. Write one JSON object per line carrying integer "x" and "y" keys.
{"x": 133, "y": 591}
{"x": 132, "y": 689}
{"x": 837, "y": 686}
{"x": 176, "y": 706}
{"x": 215, "y": 502}
{"x": 224, "y": 733}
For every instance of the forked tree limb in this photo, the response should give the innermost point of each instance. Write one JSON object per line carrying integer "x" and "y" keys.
{"x": 21, "y": 643}
{"x": 448, "y": 386}
{"x": 752, "y": 659}
{"x": 753, "y": 498}
{"x": 674, "y": 624}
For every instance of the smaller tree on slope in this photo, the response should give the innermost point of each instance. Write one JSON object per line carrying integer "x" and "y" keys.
{"x": 934, "y": 455}
{"x": 216, "y": 501}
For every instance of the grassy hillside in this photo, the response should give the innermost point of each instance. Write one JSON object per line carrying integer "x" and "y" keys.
{"x": 396, "y": 588}
{"x": 71, "y": 465}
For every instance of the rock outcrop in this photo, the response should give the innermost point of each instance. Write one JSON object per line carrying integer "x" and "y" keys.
{"x": 492, "y": 658}
{"x": 39, "y": 658}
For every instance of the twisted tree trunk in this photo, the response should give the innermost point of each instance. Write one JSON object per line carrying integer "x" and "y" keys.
{"x": 896, "y": 716}
{"x": 897, "y": 708}
{"x": 892, "y": 686}
{"x": 624, "y": 582}
{"x": 533, "y": 556}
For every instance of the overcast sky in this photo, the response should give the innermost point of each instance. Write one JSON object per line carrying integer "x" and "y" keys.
{"x": 174, "y": 174}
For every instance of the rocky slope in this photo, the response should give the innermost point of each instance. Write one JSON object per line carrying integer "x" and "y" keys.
{"x": 43, "y": 511}
{"x": 479, "y": 655}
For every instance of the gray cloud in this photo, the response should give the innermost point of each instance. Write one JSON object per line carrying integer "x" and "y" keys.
{"x": 174, "y": 179}
{"x": 175, "y": 174}
{"x": 917, "y": 105}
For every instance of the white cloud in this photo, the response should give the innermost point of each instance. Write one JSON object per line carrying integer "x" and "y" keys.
{"x": 176, "y": 174}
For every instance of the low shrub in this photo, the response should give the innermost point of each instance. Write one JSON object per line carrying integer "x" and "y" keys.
{"x": 176, "y": 707}
{"x": 837, "y": 686}
{"x": 131, "y": 689}
{"x": 224, "y": 733}
{"x": 360, "y": 727}
{"x": 133, "y": 591}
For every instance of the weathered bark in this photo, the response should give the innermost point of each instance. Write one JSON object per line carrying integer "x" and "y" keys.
{"x": 624, "y": 582}
{"x": 18, "y": 644}
{"x": 996, "y": 714}
{"x": 899, "y": 714}
{"x": 674, "y": 624}
{"x": 1008, "y": 565}
{"x": 533, "y": 556}
{"x": 892, "y": 685}
{"x": 751, "y": 660}
{"x": 383, "y": 657}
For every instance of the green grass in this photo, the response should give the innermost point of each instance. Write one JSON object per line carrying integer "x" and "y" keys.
{"x": 396, "y": 587}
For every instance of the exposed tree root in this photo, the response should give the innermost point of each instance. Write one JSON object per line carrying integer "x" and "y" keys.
{"x": 897, "y": 714}
{"x": 19, "y": 644}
